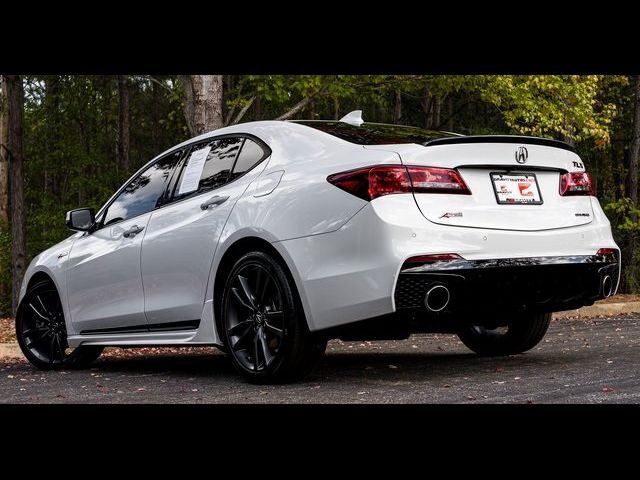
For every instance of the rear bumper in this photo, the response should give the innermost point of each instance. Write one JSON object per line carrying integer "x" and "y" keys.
{"x": 541, "y": 284}
{"x": 352, "y": 274}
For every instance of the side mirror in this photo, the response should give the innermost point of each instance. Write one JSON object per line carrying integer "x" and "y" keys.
{"x": 81, "y": 219}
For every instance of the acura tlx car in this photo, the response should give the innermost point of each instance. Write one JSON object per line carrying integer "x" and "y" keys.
{"x": 268, "y": 239}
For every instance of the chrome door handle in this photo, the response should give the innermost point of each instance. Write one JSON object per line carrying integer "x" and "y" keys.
{"x": 213, "y": 202}
{"x": 133, "y": 231}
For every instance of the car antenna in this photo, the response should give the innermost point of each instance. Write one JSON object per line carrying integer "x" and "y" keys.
{"x": 353, "y": 118}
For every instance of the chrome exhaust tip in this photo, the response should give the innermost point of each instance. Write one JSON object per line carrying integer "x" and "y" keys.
{"x": 437, "y": 298}
{"x": 607, "y": 286}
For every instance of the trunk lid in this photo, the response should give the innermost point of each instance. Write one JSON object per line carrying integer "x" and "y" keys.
{"x": 480, "y": 157}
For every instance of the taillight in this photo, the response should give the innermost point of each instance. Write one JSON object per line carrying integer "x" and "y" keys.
{"x": 609, "y": 254}
{"x": 437, "y": 180}
{"x": 373, "y": 182}
{"x": 575, "y": 183}
{"x": 438, "y": 257}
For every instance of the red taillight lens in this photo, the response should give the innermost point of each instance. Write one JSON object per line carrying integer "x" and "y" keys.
{"x": 437, "y": 180}
{"x": 610, "y": 254}
{"x": 575, "y": 183}
{"x": 439, "y": 257}
{"x": 373, "y": 182}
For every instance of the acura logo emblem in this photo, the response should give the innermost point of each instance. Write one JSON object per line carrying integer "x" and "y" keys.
{"x": 522, "y": 154}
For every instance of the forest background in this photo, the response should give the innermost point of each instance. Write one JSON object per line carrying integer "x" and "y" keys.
{"x": 68, "y": 141}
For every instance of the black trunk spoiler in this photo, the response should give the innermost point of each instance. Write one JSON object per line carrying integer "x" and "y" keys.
{"x": 516, "y": 139}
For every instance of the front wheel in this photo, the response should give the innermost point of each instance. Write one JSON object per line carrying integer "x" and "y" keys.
{"x": 42, "y": 333}
{"x": 521, "y": 334}
{"x": 263, "y": 324}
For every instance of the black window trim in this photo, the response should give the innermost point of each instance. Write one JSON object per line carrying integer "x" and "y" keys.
{"x": 186, "y": 150}
{"x": 105, "y": 208}
{"x": 244, "y": 136}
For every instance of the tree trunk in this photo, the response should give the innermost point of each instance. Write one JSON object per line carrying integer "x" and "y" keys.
{"x": 155, "y": 115}
{"x": 124, "y": 122}
{"x": 203, "y": 102}
{"x": 436, "y": 112}
{"x": 450, "y": 112}
{"x": 15, "y": 97}
{"x": 427, "y": 107}
{"x": 397, "y": 106}
{"x": 4, "y": 156}
{"x": 212, "y": 98}
{"x": 634, "y": 153}
{"x": 4, "y": 187}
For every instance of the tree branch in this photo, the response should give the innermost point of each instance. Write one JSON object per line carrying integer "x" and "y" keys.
{"x": 243, "y": 111}
{"x": 295, "y": 109}
{"x": 227, "y": 120}
{"x": 158, "y": 82}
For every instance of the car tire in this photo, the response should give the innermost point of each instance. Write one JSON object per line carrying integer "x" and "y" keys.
{"x": 263, "y": 323}
{"x": 521, "y": 334}
{"x": 42, "y": 335}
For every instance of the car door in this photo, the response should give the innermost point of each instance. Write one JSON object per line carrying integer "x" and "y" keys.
{"x": 103, "y": 274}
{"x": 181, "y": 238}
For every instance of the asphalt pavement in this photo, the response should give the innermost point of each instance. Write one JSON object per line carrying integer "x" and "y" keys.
{"x": 579, "y": 361}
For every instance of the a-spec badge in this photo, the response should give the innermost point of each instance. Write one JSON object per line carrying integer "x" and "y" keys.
{"x": 522, "y": 154}
{"x": 451, "y": 214}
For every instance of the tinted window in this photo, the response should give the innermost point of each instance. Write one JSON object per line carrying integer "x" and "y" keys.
{"x": 250, "y": 155}
{"x": 376, "y": 133}
{"x": 144, "y": 193}
{"x": 217, "y": 166}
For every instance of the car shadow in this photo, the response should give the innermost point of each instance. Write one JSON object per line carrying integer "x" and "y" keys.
{"x": 341, "y": 366}
{"x": 426, "y": 365}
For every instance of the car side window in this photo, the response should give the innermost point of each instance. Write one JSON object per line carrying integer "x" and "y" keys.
{"x": 201, "y": 174}
{"x": 144, "y": 193}
{"x": 250, "y": 155}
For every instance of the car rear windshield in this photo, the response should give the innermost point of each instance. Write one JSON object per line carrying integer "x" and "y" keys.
{"x": 376, "y": 133}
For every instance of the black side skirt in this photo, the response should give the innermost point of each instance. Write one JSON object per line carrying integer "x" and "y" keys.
{"x": 155, "y": 327}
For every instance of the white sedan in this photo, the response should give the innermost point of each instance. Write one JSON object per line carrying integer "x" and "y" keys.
{"x": 267, "y": 239}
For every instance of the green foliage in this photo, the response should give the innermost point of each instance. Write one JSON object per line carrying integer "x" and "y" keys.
{"x": 626, "y": 215}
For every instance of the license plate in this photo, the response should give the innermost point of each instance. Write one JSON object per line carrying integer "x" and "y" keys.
{"x": 516, "y": 189}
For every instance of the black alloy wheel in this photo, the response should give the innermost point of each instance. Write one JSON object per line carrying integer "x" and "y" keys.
{"x": 523, "y": 332}
{"x": 42, "y": 333}
{"x": 264, "y": 329}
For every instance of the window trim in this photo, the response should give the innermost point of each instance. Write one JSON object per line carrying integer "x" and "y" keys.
{"x": 244, "y": 136}
{"x": 177, "y": 170}
{"x": 105, "y": 208}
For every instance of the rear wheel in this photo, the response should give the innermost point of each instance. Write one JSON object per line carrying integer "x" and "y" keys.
{"x": 263, "y": 325}
{"x": 42, "y": 333}
{"x": 521, "y": 334}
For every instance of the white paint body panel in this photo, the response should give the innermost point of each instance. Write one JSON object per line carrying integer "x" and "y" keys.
{"x": 178, "y": 250}
{"x": 344, "y": 253}
{"x": 103, "y": 277}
